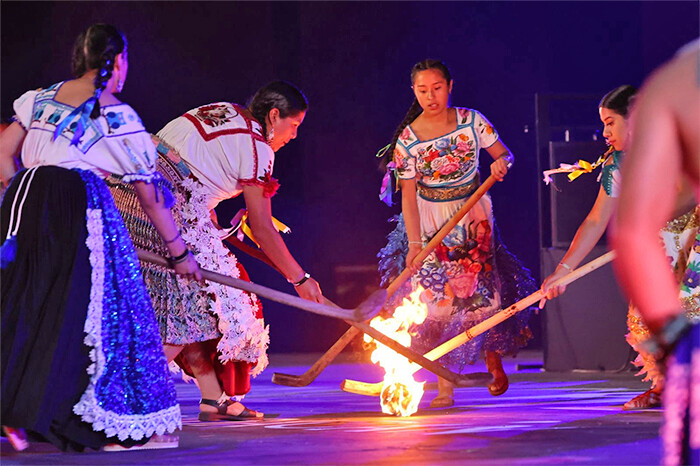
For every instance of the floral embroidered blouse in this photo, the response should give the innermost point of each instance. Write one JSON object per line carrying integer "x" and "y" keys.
{"x": 449, "y": 160}
{"x": 114, "y": 143}
{"x": 224, "y": 148}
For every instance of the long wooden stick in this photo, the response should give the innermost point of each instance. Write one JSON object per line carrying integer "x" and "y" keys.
{"x": 310, "y": 375}
{"x": 370, "y": 307}
{"x": 374, "y": 389}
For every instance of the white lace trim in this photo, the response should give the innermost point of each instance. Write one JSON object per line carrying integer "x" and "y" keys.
{"x": 244, "y": 337}
{"x": 136, "y": 426}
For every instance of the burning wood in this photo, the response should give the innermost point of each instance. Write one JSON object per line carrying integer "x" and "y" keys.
{"x": 400, "y": 392}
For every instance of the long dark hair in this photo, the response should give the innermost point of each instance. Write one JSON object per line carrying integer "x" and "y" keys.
{"x": 415, "y": 109}
{"x": 619, "y": 100}
{"x": 97, "y": 48}
{"x": 282, "y": 95}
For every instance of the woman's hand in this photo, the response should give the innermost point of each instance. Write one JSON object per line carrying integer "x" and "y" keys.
{"x": 310, "y": 290}
{"x": 189, "y": 268}
{"x": 499, "y": 168}
{"x": 553, "y": 291}
{"x": 413, "y": 251}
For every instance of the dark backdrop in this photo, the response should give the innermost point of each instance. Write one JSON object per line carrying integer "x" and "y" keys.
{"x": 353, "y": 61}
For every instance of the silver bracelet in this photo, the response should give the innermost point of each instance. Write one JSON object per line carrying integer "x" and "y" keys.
{"x": 510, "y": 160}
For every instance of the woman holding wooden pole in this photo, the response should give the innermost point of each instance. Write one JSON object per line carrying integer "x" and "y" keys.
{"x": 677, "y": 235}
{"x": 211, "y": 153}
{"x": 434, "y": 153}
{"x": 82, "y": 363}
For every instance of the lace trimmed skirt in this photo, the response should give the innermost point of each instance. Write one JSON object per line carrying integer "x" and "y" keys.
{"x": 72, "y": 295}
{"x": 186, "y": 311}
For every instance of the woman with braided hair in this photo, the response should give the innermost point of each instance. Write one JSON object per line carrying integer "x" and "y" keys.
{"x": 82, "y": 363}
{"x": 470, "y": 275}
{"x": 211, "y": 153}
{"x": 677, "y": 236}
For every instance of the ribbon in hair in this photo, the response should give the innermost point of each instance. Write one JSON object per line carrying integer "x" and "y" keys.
{"x": 83, "y": 113}
{"x": 577, "y": 169}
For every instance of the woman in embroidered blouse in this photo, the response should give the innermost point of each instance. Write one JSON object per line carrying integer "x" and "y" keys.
{"x": 212, "y": 153}
{"x": 72, "y": 291}
{"x": 470, "y": 276}
{"x": 677, "y": 236}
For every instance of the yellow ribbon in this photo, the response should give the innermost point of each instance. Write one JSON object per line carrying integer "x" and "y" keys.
{"x": 245, "y": 228}
{"x": 584, "y": 167}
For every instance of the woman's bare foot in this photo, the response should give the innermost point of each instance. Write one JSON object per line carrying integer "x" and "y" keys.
{"x": 649, "y": 399}
{"x": 499, "y": 385}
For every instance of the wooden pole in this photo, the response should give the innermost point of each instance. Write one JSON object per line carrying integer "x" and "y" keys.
{"x": 370, "y": 307}
{"x": 310, "y": 375}
{"x": 362, "y": 388}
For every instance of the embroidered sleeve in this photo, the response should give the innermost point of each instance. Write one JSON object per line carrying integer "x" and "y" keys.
{"x": 256, "y": 167}
{"x": 484, "y": 131}
{"x": 24, "y": 108}
{"x": 405, "y": 162}
{"x": 130, "y": 145}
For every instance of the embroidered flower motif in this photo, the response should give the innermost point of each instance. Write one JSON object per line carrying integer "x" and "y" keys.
{"x": 463, "y": 115}
{"x": 216, "y": 114}
{"x": 442, "y": 143}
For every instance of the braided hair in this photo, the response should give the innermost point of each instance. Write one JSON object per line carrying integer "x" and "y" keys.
{"x": 282, "y": 95}
{"x": 97, "y": 48}
{"x": 387, "y": 154}
{"x": 619, "y": 100}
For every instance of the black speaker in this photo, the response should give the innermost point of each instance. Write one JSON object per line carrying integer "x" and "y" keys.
{"x": 585, "y": 328}
{"x": 571, "y": 201}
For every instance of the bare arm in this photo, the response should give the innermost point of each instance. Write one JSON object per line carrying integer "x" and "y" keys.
{"x": 500, "y": 154}
{"x": 587, "y": 235}
{"x": 411, "y": 218}
{"x": 272, "y": 244}
{"x": 162, "y": 220}
{"x": 11, "y": 140}
{"x": 652, "y": 170}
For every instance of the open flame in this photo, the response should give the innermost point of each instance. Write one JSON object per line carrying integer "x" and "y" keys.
{"x": 400, "y": 392}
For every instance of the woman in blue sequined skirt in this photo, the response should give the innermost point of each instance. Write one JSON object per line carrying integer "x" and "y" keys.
{"x": 82, "y": 362}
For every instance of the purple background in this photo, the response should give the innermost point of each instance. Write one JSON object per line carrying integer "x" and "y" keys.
{"x": 353, "y": 61}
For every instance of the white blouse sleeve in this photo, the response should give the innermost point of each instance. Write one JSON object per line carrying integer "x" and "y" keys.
{"x": 24, "y": 108}
{"x": 405, "y": 162}
{"x": 256, "y": 161}
{"x": 484, "y": 131}
{"x": 128, "y": 146}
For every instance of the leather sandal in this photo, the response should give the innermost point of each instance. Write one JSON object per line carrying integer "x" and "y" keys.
{"x": 497, "y": 391}
{"x": 222, "y": 415}
{"x": 646, "y": 400}
{"x": 442, "y": 401}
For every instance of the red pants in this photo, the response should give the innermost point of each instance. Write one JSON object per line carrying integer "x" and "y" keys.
{"x": 234, "y": 376}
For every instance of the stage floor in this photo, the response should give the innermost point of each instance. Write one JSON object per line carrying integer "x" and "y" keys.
{"x": 544, "y": 418}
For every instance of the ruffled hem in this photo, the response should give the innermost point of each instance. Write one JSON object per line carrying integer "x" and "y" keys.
{"x": 243, "y": 336}
{"x": 134, "y": 426}
{"x": 269, "y": 184}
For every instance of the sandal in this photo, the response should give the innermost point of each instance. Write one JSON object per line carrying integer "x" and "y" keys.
{"x": 495, "y": 390}
{"x": 646, "y": 400}
{"x": 157, "y": 442}
{"x": 16, "y": 437}
{"x": 442, "y": 401}
{"x": 222, "y": 415}
{"x": 494, "y": 365}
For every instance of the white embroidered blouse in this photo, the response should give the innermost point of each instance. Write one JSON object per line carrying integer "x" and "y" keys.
{"x": 114, "y": 143}
{"x": 224, "y": 148}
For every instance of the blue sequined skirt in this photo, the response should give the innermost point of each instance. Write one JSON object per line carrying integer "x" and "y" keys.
{"x": 82, "y": 361}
